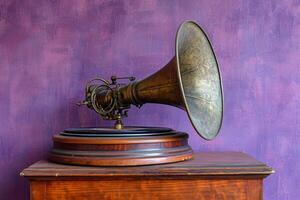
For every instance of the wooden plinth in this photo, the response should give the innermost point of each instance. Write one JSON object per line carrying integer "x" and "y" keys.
{"x": 119, "y": 150}
{"x": 213, "y": 175}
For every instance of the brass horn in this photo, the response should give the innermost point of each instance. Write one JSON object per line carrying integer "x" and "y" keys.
{"x": 190, "y": 81}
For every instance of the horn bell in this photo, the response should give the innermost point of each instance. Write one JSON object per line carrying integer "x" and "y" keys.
{"x": 199, "y": 79}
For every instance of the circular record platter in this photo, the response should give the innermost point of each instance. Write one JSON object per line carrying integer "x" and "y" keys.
{"x": 131, "y": 146}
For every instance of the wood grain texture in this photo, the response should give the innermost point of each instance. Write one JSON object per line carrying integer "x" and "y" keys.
{"x": 203, "y": 164}
{"x": 237, "y": 189}
{"x": 119, "y": 150}
{"x": 209, "y": 176}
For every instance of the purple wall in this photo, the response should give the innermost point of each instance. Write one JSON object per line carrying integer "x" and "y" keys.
{"x": 49, "y": 49}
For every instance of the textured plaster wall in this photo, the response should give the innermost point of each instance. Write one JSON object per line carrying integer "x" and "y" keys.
{"x": 49, "y": 49}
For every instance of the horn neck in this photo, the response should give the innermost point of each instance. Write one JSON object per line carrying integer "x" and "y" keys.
{"x": 161, "y": 87}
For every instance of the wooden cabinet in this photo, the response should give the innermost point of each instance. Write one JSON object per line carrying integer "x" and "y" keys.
{"x": 209, "y": 176}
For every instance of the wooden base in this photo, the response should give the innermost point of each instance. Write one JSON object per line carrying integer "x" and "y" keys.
{"x": 121, "y": 148}
{"x": 210, "y": 175}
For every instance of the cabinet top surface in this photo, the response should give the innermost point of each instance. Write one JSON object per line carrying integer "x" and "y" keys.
{"x": 203, "y": 164}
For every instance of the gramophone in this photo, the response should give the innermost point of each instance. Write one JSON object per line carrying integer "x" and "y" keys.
{"x": 190, "y": 81}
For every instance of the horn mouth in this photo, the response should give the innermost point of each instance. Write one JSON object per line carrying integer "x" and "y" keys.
{"x": 199, "y": 79}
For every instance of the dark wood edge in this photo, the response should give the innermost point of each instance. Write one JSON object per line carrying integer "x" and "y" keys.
{"x": 154, "y": 177}
{"x": 260, "y": 171}
{"x": 122, "y": 161}
{"x": 126, "y": 140}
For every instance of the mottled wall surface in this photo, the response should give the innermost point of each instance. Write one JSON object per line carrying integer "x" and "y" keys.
{"x": 49, "y": 49}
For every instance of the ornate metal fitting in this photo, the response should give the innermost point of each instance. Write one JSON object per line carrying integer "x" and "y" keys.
{"x": 104, "y": 97}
